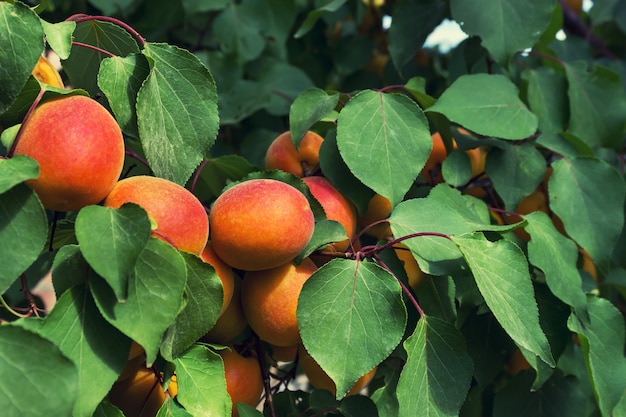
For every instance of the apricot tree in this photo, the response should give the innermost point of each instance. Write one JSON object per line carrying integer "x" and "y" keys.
{"x": 484, "y": 272}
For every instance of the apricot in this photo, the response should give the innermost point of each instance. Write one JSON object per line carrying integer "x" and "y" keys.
{"x": 179, "y": 216}
{"x": 224, "y": 272}
{"x": 260, "y": 224}
{"x": 575, "y": 5}
{"x": 335, "y": 205}
{"x": 320, "y": 379}
{"x": 588, "y": 265}
{"x": 282, "y": 154}
{"x": 285, "y": 353}
{"x": 535, "y": 201}
{"x": 139, "y": 395}
{"x": 432, "y": 168}
{"x": 46, "y": 73}
{"x": 516, "y": 363}
{"x": 378, "y": 208}
{"x": 232, "y": 322}
{"x": 413, "y": 272}
{"x": 136, "y": 359}
{"x": 79, "y": 148}
{"x": 270, "y": 300}
{"x": 244, "y": 381}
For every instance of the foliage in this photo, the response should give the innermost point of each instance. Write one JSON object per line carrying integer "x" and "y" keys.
{"x": 200, "y": 89}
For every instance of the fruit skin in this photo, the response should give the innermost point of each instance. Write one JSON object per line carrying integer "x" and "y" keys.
{"x": 285, "y": 353}
{"x": 45, "y": 72}
{"x": 224, "y": 272}
{"x": 244, "y": 381}
{"x": 378, "y": 208}
{"x": 270, "y": 300}
{"x": 179, "y": 216}
{"x": 139, "y": 395}
{"x": 516, "y": 363}
{"x": 432, "y": 168}
{"x": 413, "y": 272}
{"x": 320, "y": 379}
{"x": 232, "y": 322}
{"x": 335, "y": 205}
{"x": 79, "y": 148}
{"x": 282, "y": 154}
{"x": 260, "y": 224}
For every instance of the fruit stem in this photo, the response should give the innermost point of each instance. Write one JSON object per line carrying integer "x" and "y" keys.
{"x": 29, "y": 296}
{"x": 197, "y": 175}
{"x": 260, "y": 355}
{"x": 10, "y": 310}
{"x": 373, "y": 250}
{"x": 11, "y": 150}
{"x": 79, "y": 18}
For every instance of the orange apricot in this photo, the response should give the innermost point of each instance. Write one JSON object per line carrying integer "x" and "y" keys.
{"x": 224, "y": 272}
{"x": 139, "y": 395}
{"x": 260, "y": 224}
{"x": 244, "y": 381}
{"x": 282, "y": 154}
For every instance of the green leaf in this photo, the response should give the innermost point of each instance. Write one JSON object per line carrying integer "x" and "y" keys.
{"x": 201, "y": 383}
{"x": 23, "y": 232}
{"x": 309, "y": 108}
{"x": 59, "y": 36}
{"x": 501, "y": 273}
{"x": 445, "y": 212}
{"x": 314, "y": 15}
{"x": 43, "y": 381}
{"x": 597, "y": 105}
{"x": 547, "y": 98}
{"x": 16, "y": 170}
{"x": 351, "y": 317}
{"x": 326, "y": 231}
{"x": 198, "y": 6}
{"x": 236, "y": 29}
{"x": 246, "y": 410}
{"x": 155, "y": 290}
{"x": 171, "y": 408}
{"x": 488, "y": 105}
{"x": 559, "y": 396}
{"x": 387, "y": 131}
{"x": 22, "y": 39}
{"x": 112, "y": 240}
{"x": 602, "y": 340}
{"x": 283, "y": 82}
{"x": 69, "y": 269}
{"x": 120, "y": 80}
{"x": 578, "y": 190}
{"x": 96, "y": 348}
{"x": 217, "y": 172}
{"x": 556, "y": 256}
{"x": 358, "y": 406}
{"x": 205, "y": 296}
{"x": 457, "y": 168}
{"x": 412, "y": 22}
{"x": 106, "y": 409}
{"x": 176, "y": 112}
{"x": 83, "y": 64}
{"x": 505, "y": 27}
{"x": 438, "y": 371}
{"x": 515, "y": 171}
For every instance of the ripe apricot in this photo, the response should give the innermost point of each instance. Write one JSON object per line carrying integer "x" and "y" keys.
{"x": 413, "y": 272}
{"x": 270, "y": 300}
{"x": 179, "y": 216}
{"x": 139, "y": 395}
{"x": 320, "y": 379}
{"x": 282, "y": 154}
{"x": 378, "y": 208}
{"x": 335, "y": 205}
{"x": 232, "y": 322}
{"x": 244, "y": 381}
{"x": 79, "y": 148}
{"x": 45, "y": 72}
{"x": 432, "y": 169}
{"x": 285, "y": 353}
{"x": 260, "y": 224}
{"x": 224, "y": 272}
{"x": 516, "y": 363}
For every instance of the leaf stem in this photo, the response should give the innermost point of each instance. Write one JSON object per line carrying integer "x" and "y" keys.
{"x": 29, "y": 296}
{"x": 197, "y": 175}
{"x": 405, "y": 290}
{"x": 94, "y": 48}
{"x": 260, "y": 355}
{"x": 10, "y": 309}
{"x": 79, "y": 18}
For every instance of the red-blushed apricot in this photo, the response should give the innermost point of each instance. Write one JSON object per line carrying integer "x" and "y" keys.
{"x": 335, "y": 205}
{"x": 413, "y": 272}
{"x": 139, "y": 395}
{"x": 244, "y": 381}
{"x": 232, "y": 322}
{"x": 320, "y": 379}
{"x": 79, "y": 148}
{"x": 378, "y": 208}
{"x": 225, "y": 272}
{"x": 179, "y": 216}
{"x": 45, "y": 72}
{"x": 260, "y": 224}
{"x": 270, "y": 300}
{"x": 282, "y": 154}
